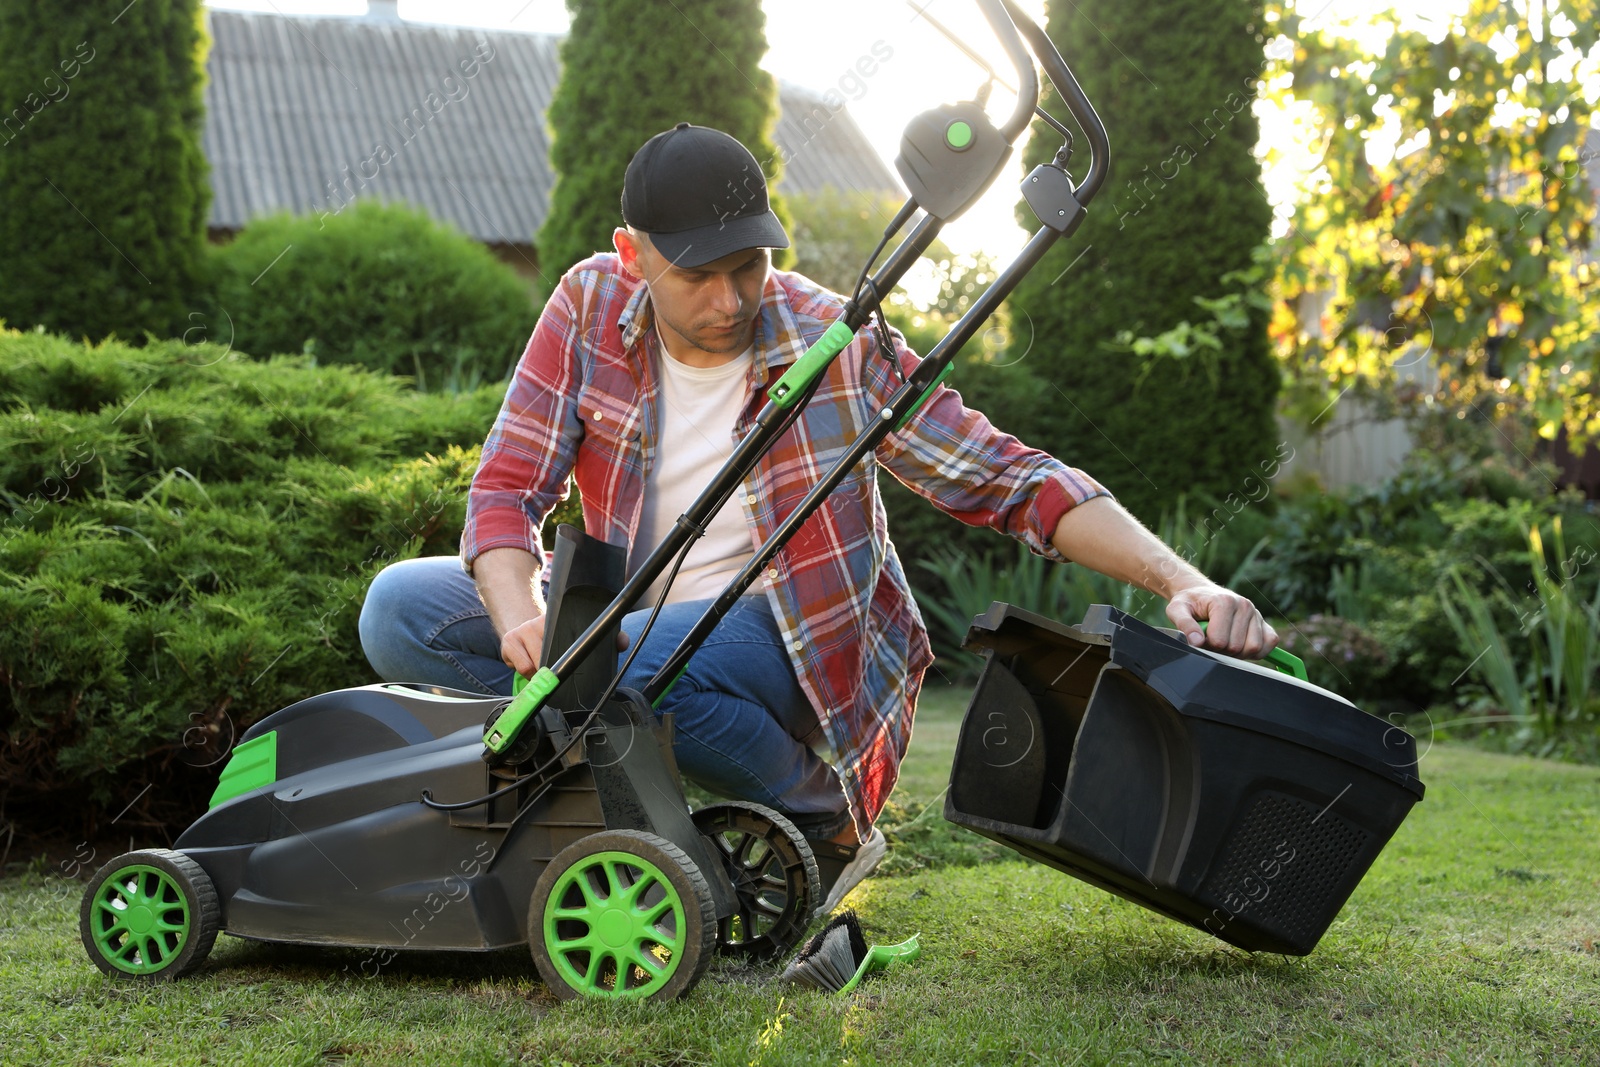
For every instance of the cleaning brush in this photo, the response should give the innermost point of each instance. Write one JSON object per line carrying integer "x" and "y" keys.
{"x": 838, "y": 957}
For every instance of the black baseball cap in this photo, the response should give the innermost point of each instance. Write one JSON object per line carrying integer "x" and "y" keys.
{"x": 700, "y": 195}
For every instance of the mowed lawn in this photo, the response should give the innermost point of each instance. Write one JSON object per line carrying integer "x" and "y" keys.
{"x": 1472, "y": 940}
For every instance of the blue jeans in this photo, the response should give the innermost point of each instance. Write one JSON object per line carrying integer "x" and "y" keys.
{"x": 743, "y": 727}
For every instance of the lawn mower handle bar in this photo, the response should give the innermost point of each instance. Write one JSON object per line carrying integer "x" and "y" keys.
{"x": 777, "y": 415}
{"x": 1002, "y": 15}
{"x": 1071, "y": 93}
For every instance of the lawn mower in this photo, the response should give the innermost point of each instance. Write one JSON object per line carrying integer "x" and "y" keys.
{"x": 397, "y": 816}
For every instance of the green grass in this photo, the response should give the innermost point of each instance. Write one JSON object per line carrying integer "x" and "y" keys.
{"x": 1472, "y": 940}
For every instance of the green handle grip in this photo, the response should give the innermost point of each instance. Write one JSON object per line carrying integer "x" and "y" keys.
{"x": 1281, "y": 659}
{"x": 787, "y": 389}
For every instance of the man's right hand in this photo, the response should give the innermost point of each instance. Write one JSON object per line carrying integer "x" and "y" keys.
{"x": 521, "y": 645}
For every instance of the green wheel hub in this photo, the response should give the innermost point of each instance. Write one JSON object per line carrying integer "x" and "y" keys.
{"x": 139, "y": 920}
{"x": 614, "y": 926}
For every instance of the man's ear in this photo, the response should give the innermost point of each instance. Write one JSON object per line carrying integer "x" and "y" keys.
{"x": 628, "y": 247}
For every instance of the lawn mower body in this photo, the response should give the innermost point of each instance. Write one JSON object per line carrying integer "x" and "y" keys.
{"x": 318, "y": 832}
{"x": 340, "y": 850}
{"x": 366, "y": 817}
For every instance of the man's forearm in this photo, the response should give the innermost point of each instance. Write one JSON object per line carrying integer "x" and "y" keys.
{"x": 506, "y": 584}
{"x": 1102, "y": 535}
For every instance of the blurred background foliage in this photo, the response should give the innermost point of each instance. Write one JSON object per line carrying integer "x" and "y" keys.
{"x": 1447, "y": 208}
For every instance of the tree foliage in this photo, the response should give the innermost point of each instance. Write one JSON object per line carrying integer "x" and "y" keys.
{"x": 629, "y": 71}
{"x": 1176, "y": 225}
{"x": 103, "y": 186}
{"x": 1449, "y": 213}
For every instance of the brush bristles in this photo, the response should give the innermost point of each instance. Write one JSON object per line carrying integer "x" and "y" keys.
{"x": 831, "y": 958}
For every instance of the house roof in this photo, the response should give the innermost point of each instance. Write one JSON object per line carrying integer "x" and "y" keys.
{"x": 302, "y": 114}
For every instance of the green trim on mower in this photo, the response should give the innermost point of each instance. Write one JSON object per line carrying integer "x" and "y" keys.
{"x": 528, "y": 700}
{"x": 252, "y": 766}
{"x": 598, "y": 913}
{"x": 1288, "y": 663}
{"x": 140, "y": 920}
{"x": 681, "y": 672}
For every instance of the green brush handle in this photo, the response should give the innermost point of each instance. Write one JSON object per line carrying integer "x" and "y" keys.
{"x": 881, "y": 957}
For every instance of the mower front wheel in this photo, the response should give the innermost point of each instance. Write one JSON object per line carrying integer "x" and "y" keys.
{"x": 622, "y": 914}
{"x": 151, "y": 914}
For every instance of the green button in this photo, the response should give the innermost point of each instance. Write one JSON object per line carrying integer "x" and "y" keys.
{"x": 958, "y": 135}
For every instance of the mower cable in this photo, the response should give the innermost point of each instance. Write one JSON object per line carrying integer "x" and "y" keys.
{"x": 896, "y": 224}
{"x": 880, "y": 330}
{"x": 427, "y": 798}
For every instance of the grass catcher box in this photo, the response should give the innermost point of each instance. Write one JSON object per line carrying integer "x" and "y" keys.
{"x": 1221, "y": 793}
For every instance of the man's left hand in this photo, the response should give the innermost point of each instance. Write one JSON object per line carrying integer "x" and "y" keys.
{"x": 1234, "y": 626}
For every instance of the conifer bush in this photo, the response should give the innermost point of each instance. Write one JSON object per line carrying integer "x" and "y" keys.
{"x": 185, "y": 542}
{"x": 1177, "y": 221}
{"x": 629, "y": 71}
{"x": 103, "y": 186}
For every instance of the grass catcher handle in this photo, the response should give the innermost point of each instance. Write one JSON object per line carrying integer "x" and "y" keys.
{"x": 1280, "y": 659}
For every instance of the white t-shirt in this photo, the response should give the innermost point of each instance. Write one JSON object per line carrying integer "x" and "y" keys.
{"x": 699, "y": 409}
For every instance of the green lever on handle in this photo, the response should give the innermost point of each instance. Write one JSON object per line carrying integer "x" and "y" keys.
{"x": 1280, "y": 659}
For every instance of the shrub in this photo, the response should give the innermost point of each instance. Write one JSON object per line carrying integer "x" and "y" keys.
{"x": 381, "y": 286}
{"x": 103, "y": 185}
{"x": 1398, "y": 534}
{"x": 1540, "y": 658}
{"x": 187, "y": 539}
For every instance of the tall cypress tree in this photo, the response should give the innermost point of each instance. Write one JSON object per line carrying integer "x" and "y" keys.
{"x": 1183, "y": 206}
{"x": 630, "y": 70}
{"x": 103, "y": 186}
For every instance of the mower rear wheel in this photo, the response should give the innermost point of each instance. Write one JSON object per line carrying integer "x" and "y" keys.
{"x": 621, "y": 913}
{"x": 151, "y": 914}
{"x": 774, "y": 876}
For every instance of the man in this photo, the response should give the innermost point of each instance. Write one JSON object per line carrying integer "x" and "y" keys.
{"x": 645, "y": 370}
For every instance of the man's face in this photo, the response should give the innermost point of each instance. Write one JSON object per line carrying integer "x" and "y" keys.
{"x": 708, "y": 310}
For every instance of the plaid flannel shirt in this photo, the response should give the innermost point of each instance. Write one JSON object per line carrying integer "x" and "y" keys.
{"x": 583, "y": 404}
